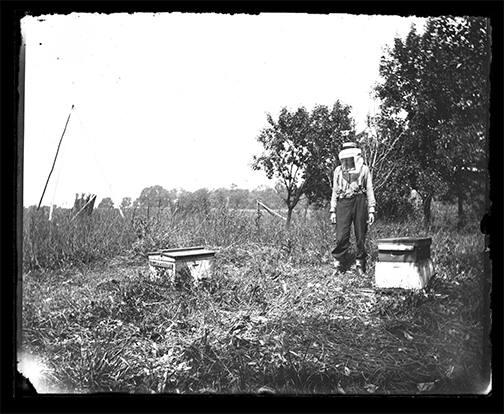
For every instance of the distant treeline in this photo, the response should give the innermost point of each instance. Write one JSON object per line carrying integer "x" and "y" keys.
{"x": 156, "y": 197}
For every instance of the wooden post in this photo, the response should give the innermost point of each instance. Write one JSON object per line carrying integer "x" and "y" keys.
{"x": 274, "y": 213}
{"x": 56, "y": 156}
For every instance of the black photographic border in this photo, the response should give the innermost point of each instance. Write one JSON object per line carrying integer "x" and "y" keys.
{"x": 11, "y": 230}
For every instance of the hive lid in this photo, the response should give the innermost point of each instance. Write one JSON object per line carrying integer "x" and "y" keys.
{"x": 406, "y": 240}
{"x": 184, "y": 252}
{"x": 189, "y": 253}
{"x": 403, "y": 243}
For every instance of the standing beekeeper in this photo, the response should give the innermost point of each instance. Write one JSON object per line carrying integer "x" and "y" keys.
{"x": 352, "y": 201}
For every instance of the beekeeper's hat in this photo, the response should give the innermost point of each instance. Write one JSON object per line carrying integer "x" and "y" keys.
{"x": 349, "y": 145}
{"x": 349, "y": 149}
{"x": 352, "y": 153}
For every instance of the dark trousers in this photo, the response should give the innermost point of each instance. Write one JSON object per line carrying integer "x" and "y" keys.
{"x": 350, "y": 210}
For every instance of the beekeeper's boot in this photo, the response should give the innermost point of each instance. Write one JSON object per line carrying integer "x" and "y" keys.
{"x": 360, "y": 267}
{"x": 336, "y": 268}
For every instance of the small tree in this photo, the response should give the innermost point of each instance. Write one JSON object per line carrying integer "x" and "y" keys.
{"x": 285, "y": 154}
{"x": 197, "y": 202}
{"x": 126, "y": 202}
{"x": 384, "y": 155}
{"x": 155, "y": 196}
{"x": 329, "y": 128}
{"x": 106, "y": 203}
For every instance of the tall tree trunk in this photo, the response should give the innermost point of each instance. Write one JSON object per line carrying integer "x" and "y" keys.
{"x": 289, "y": 216}
{"x": 426, "y": 205}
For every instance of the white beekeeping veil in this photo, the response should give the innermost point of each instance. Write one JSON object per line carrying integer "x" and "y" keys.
{"x": 350, "y": 158}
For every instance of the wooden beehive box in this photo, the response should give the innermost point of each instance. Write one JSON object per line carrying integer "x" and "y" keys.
{"x": 167, "y": 264}
{"x": 404, "y": 262}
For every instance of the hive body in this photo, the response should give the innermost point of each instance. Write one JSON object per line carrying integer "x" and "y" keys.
{"x": 194, "y": 262}
{"x": 404, "y": 262}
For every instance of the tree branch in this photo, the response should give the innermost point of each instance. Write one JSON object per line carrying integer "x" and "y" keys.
{"x": 382, "y": 182}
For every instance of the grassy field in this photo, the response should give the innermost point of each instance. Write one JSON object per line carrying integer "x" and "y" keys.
{"x": 272, "y": 318}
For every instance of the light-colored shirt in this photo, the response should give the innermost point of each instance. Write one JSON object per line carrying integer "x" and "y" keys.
{"x": 347, "y": 185}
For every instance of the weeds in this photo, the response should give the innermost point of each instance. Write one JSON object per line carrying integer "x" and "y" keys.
{"x": 271, "y": 318}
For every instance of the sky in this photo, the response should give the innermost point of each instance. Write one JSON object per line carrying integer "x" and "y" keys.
{"x": 178, "y": 99}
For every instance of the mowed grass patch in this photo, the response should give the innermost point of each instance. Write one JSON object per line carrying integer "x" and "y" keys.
{"x": 272, "y": 315}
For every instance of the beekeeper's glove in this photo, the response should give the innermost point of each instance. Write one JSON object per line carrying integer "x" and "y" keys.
{"x": 371, "y": 219}
{"x": 333, "y": 218}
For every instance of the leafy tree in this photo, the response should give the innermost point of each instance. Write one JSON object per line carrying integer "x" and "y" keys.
{"x": 435, "y": 86}
{"x": 106, "y": 203}
{"x": 403, "y": 96}
{"x": 387, "y": 163}
{"x": 126, "y": 202}
{"x": 285, "y": 154}
{"x": 155, "y": 196}
{"x": 461, "y": 62}
{"x": 328, "y": 129}
{"x": 195, "y": 202}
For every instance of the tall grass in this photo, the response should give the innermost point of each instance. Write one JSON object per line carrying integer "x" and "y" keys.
{"x": 62, "y": 242}
{"x": 105, "y": 234}
{"x": 272, "y": 315}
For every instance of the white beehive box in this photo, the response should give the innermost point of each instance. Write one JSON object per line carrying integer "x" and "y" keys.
{"x": 167, "y": 264}
{"x": 404, "y": 262}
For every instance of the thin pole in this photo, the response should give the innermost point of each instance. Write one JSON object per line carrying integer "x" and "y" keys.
{"x": 56, "y": 156}
{"x": 270, "y": 210}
